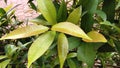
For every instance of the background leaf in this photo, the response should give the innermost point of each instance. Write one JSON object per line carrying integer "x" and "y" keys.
{"x": 71, "y": 63}
{"x": 48, "y": 10}
{"x": 74, "y": 16}
{"x": 40, "y": 46}
{"x": 87, "y": 20}
{"x": 62, "y": 48}
{"x": 24, "y": 32}
{"x": 87, "y": 52}
{"x": 109, "y": 9}
{"x": 62, "y": 12}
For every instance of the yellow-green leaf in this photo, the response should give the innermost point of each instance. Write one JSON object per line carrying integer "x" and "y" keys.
{"x": 7, "y": 8}
{"x": 71, "y": 29}
{"x": 3, "y": 56}
{"x": 96, "y": 37}
{"x": 62, "y": 48}
{"x": 48, "y": 10}
{"x": 24, "y": 32}
{"x": 74, "y": 16}
{"x": 40, "y": 46}
{"x": 4, "y": 63}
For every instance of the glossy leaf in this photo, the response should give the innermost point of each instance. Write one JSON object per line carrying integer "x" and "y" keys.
{"x": 40, "y": 46}
{"x": 24, "y": 32}
{"x": 62, "y": 12}
{"x": 48, "y": 10}
{"x": 86, "y": 53}
{"x": 75, "y": 15}
{"x": 71, "y": 29}
{"x": 71, "y": 63}
{"x": 4, "y": 63}
{"x": 62, "y": 48}
{"x": 96, "y": 37}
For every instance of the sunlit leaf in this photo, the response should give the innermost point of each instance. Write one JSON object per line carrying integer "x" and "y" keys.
{"x": 96, "y": 37}
{"x": 71, "y": 29}
{"x": 2, "y": 56}
{"x": 7, "y": 8}
{"x": 40, "y": 46}
{"x": 24, "y": 32}
{"x": 48, "y": 10}
{"x": 75, "y": 15}
{"x": 4, "y": 63}
{"x": 62, "y": 48}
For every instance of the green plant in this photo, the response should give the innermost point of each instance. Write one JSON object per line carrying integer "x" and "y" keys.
{"x": 60, "y": 38}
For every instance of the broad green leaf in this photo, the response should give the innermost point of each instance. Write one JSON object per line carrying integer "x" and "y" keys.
{"x": 86, "y": 53}
{"x": 40, "y": 46}
{"x": 48, "y": 10}
{"x": 4, "y": 63}
{"x": 75, "y": 15}
{"x": 74, "y": 42}
{"x": 89, "y": 5}
{"x": 62, "y": 48}
{"x": 2, "y": 56}
{"x": 24, "y": 32}
{"x": 71, "y": 63}
{"x": 71, "y": 29}
{"x": 71, "y": 55}
{"x": 62, "y": 12}
{"x": 96, "y": 37}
